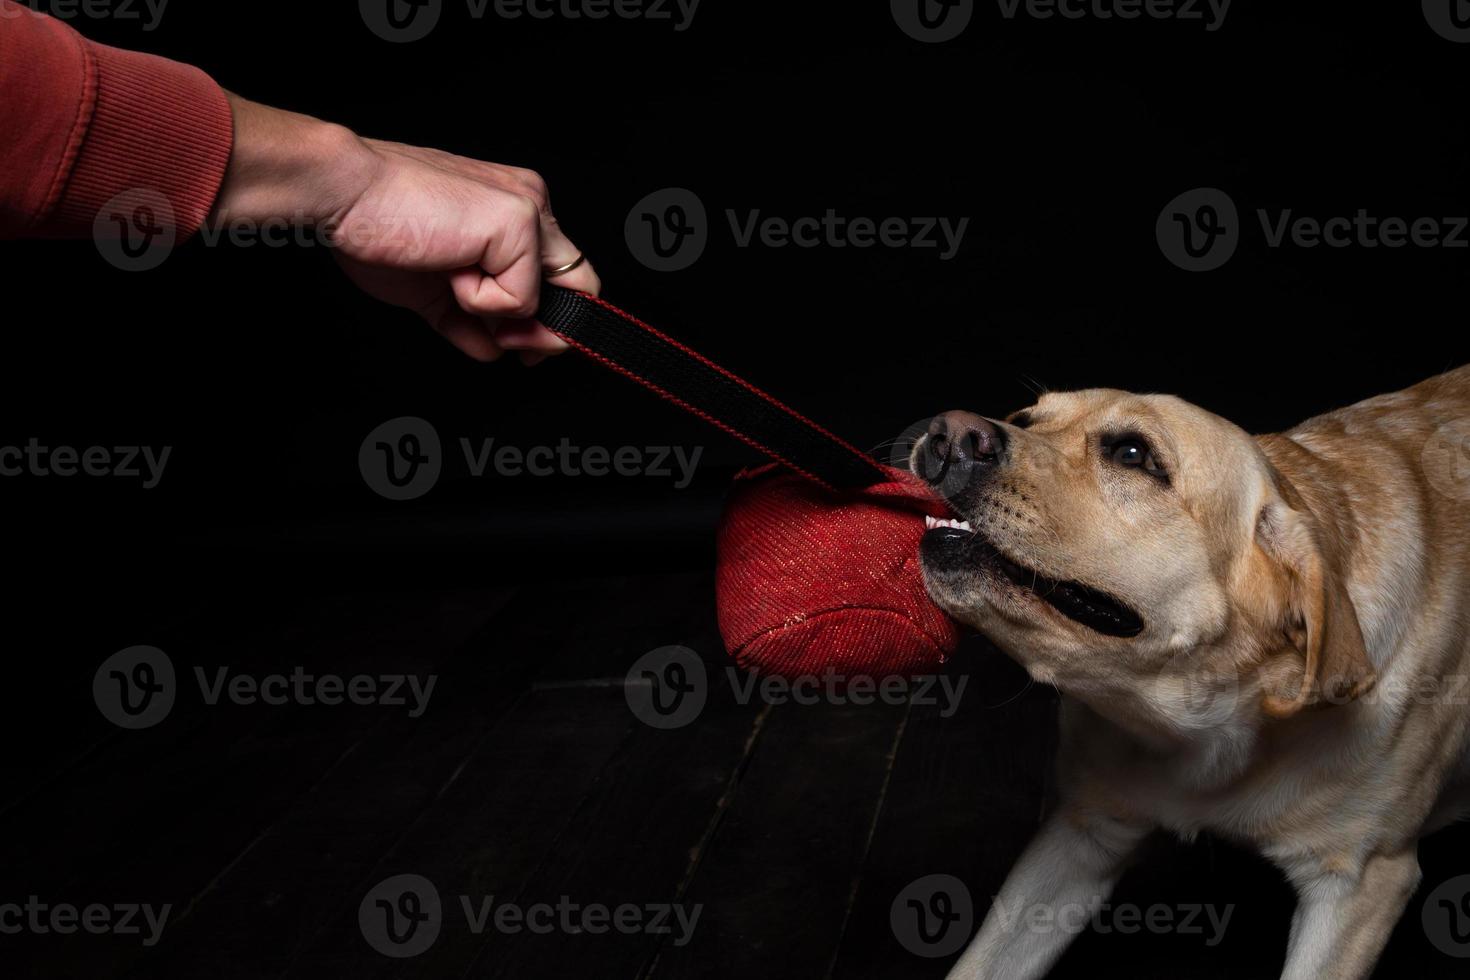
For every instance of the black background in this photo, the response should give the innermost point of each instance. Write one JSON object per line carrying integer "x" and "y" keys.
{"x": 1059, "y": 140}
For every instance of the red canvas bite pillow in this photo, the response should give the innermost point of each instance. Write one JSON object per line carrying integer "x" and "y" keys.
{"x": 818, "y": 553}
{"x": 812, "y": 580}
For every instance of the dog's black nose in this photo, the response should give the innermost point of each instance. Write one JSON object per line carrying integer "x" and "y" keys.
{"x": 959, "y": 442}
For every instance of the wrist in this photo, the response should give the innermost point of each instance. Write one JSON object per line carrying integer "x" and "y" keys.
{"x": 291, "y": 166}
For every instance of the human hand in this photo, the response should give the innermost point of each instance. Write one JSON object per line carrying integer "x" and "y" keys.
{"x": 463, "y": 243}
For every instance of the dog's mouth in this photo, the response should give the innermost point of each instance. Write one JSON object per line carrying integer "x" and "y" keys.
{"x": 950, "y": 544}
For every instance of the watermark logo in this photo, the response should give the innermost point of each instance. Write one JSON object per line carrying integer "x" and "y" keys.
{"x": 1197, "y": 693}
{"x": 668, "y": 229}
{"x": 1446, "y": 459}
{"x": 401, "y": 21}
{"x": 401, "y": 459}
{"x": 401, "y": 916}
{"x": 1446, "y": 917}
{"x": 1450, "y": 19}
{"x": 135, "y": 688}
{"x": 135, "y": 231}
{"x": 932, "y": 21}
{"x": 933, "y": 916}
{"x": 1198, "y": 230}
{"x": 667, "y": 688}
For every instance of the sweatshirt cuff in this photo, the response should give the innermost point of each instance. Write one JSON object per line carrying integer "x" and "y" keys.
{"x": 158, "y": 127}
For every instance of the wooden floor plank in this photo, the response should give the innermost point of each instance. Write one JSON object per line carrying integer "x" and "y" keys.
{"x": 964, "y": 796}
{"x": 157, "y": 814}
{"x": 336, "y": 834}
{"x": 635, "y": 839}
{"x": 489, "y": 832}
{"x": 776, "y": 879}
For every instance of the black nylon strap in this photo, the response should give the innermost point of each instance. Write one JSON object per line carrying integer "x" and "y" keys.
{"x": 700, "y": 386}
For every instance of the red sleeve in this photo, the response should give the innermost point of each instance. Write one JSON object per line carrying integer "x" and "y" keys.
{"x": 81, "y": 123}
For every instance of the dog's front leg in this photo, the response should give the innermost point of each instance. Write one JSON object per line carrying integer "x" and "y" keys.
{"x": 1342, "y": 922}
{"x": 1049, "y": 897}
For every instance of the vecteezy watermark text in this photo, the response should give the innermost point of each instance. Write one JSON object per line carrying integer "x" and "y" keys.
{"x": 1124, "y": 918}
{"x": 304, "y": 688}
{"x": 1200, "y": 229}
{"x": 403, "y": 459}
{"x": 669, "y": 687}
{"x": 64, "y": 919}
{"x": 137, "y": 687}
{"x": 833, "y": 230}
{"x": 148, "y": 13}
{"x": 144, "y": 463}
{"x": 1210, "y": 12}
{"x": 669, "y": 229}
{"x": 402, "y": 917}
{"x": 936, "y": 21}
{"x": 403, "y": 21}
{"x": 567, "y": 459}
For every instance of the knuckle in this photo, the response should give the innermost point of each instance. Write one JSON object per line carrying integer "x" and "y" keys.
{"x": 527, "y": 209}
{"x": 532, "y": 183}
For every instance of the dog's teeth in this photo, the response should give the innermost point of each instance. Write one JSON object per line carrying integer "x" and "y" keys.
{"x": 930, "y": 523}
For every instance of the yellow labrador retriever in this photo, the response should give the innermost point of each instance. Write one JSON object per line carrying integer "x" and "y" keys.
{"x": 1265, "y": 637}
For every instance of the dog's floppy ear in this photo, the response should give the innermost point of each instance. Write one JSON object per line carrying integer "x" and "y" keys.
{"x": 1320, "y": 621}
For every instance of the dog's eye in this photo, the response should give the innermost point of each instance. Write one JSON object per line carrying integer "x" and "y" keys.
{"x": 1021, "y": 419}
{"x": 1135, "y": 453}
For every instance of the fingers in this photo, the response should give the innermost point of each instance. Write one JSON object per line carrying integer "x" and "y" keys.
{"x": 496, "y": 288}
{"x": 503, "y": 291}
{"x": 467, "y": 332}
{"x": 557, "y": 250}
{"x": 507, "y": 280}
{"x": 527, "y": 335}
{"x": 469, "y": 335}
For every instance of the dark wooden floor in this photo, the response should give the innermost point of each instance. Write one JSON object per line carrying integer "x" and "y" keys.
{"x": 792, "y": 827}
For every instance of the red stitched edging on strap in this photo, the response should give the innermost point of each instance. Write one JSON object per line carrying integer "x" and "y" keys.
{"x": 740, "y": 381}
{"x": 608, "y": 362}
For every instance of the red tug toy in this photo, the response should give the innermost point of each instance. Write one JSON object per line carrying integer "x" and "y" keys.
{"x": 818, "y": 552}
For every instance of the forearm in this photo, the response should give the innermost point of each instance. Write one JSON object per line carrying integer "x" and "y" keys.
{"x": 291, "y": 166}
